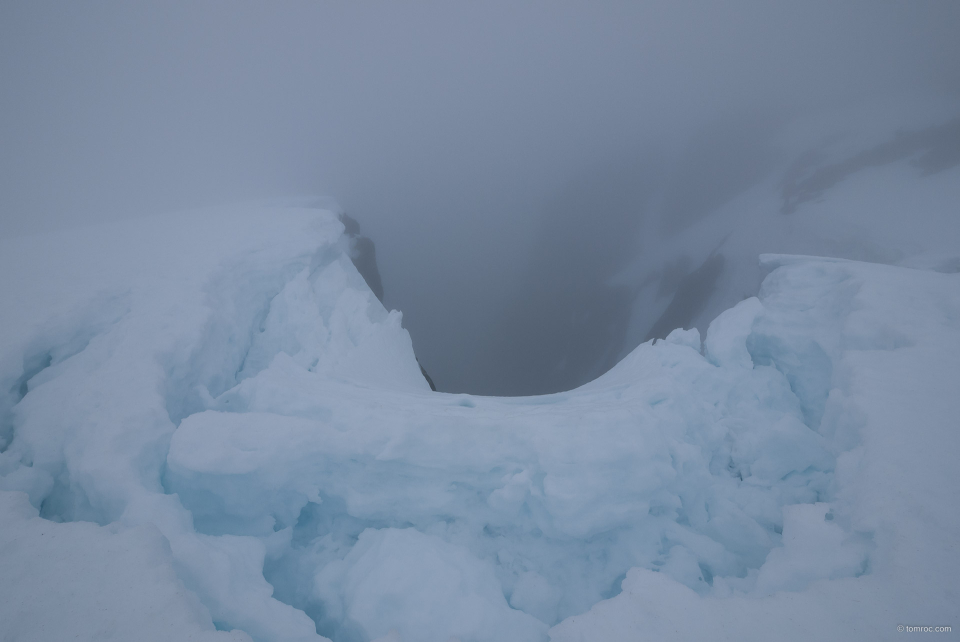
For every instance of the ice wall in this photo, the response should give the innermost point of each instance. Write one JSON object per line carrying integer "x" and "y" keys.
{"x": 893, "y": 338}
{"x": 247, "y": 429}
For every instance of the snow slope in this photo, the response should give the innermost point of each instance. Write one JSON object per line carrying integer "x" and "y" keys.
{"x": 211, "y": 428}
{"x": 893, "y": 335}
{"x": 880, "y": 189}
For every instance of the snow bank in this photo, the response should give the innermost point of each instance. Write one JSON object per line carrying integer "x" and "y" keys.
{"x": 249, "y": 431}
{"x": 113, "y": 334}
{"x": 86, "y": 582}
{"x": 882, "y": 551}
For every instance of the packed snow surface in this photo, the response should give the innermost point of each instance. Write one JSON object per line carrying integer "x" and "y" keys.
{"x": 211, "y": 429}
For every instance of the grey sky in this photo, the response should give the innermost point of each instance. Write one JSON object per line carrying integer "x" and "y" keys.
{"x": 449, "y": 130}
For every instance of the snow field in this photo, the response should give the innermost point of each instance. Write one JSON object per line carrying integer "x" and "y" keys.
{"x": 248, "y": 431}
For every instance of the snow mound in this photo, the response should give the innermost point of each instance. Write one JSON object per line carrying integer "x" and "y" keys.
{"x": 249, "y": 432}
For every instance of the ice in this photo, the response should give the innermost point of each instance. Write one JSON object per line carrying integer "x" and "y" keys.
{"x": 87, "y": 582}
{"x": 221, "y": 414}
{"x": 419, "y": 584}
{"x": 814, "y": 547}
{"x": 681, "y": 337}
{"x": 878, "y": 553}
{"x": 726, "y": 344}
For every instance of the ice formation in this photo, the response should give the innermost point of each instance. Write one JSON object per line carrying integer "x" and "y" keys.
{"x": 212, "y": 429}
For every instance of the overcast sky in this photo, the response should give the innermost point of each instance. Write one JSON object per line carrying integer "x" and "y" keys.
{"x": 448, "y": 129}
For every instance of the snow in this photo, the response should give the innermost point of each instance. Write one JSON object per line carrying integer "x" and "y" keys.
{"x": 212, "y": 429}
{"x": 893, "y": 338}
{"x": 892, "y": 212}
{"x": 87, "y": 582}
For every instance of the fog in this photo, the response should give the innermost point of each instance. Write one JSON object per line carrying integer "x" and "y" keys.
{"x": 507, "y": 159}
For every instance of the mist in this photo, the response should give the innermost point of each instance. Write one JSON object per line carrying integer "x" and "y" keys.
{"x": 510, "y": 161}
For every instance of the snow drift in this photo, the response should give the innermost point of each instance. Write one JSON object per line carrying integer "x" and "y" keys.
{"x": 212, "y": 429}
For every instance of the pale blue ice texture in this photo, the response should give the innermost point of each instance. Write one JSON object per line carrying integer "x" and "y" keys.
{"x": 214, "y": 424}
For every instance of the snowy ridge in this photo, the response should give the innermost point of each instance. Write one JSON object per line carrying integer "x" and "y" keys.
{"x": 248, "y": 426}
{"x": 894, "y": 339}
